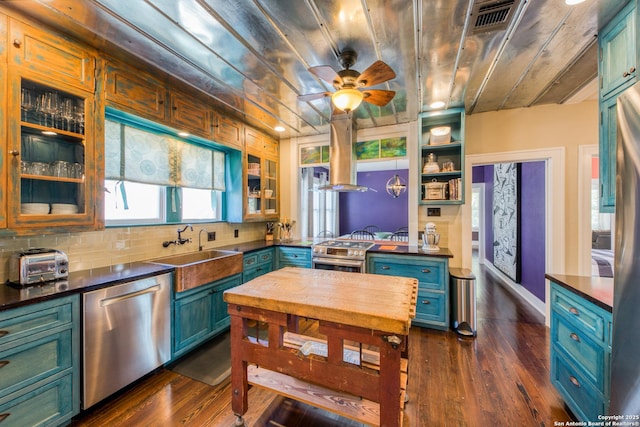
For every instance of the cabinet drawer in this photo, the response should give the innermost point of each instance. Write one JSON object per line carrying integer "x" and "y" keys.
{"x": 430, "y": 274}
{"x": 31, "y": 361}
{"x": 583, "y": 399}
{"x": 430, "y": 306}
{"x": 255, "y": 258}
{"x": 295, "y": 255}
{"x": 588, "y": 354}
{"x": 21, "y": 322}
{"x": 43, "y": 405}
{"x": 259, "y": 270}
{"x": 588, "y": 317}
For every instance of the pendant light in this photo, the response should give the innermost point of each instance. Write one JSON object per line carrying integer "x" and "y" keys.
{"x": 396, "y": 185}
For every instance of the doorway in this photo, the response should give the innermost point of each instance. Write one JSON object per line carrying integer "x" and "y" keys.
{"x": 554, "y": 235}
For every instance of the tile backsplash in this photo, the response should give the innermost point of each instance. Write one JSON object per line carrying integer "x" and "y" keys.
{"x": 93, "y": 249}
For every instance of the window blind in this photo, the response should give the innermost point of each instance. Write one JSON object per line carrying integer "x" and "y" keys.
{"x": 137, "y": 155}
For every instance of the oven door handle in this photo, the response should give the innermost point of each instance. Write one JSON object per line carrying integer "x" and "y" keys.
{"x": 336, "y": 261}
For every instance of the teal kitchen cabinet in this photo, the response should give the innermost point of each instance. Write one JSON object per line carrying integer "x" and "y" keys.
{"x": 294, "y": 257}
{"x": 257, "y": 263}
{"x": 617, "y": 68}
{"x": 40, "y": 354}
{"x": 199, "y": 314}
{"x": 442, "y": 179}
{"x": 580, "y": 353}
{"x": 607, "y": 151}
{"x": 617, "y": 61}
{"x": 432, "y": 305}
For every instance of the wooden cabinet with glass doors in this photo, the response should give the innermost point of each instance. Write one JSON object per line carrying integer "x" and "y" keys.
{"x": 51, "y": 165}
{"x": 50, "y": 160}
{"x": 261, "y": 183}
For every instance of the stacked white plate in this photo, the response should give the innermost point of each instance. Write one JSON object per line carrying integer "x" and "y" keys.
{"x": 63, "y": 209}
{"x": 34, "y": 208}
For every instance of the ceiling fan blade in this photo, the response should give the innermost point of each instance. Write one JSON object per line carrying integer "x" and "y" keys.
{"x": 378, "y": 72}
{"x": 378, "y": 97}
{"x": 312, "y": 96}
{"x": 326, "y": 73}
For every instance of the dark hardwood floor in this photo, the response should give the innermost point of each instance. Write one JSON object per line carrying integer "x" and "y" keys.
{"x": 499, "y": 378}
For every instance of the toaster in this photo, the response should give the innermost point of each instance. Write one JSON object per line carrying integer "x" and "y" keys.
{"x": 37, "y": 265}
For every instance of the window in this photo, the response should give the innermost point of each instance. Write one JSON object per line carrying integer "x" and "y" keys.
{"x": 139, "y": 204}
{"x": 152, "y": 176}
{"x": 200, "y": 204}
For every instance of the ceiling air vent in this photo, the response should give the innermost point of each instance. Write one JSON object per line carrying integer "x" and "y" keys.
{"x": 492, "y": 15}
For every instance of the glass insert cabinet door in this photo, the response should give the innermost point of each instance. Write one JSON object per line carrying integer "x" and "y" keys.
{"x": 48, "y": 157}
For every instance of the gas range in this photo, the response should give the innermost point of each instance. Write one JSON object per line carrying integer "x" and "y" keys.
{"x": 344, "y": 249}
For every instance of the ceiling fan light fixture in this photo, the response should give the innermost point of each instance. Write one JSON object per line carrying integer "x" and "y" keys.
{"x": 437, "y": 104}
{"x": 347, "y": 99}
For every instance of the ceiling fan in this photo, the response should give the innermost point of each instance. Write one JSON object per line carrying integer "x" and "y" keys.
{"x": 348, "y": 83}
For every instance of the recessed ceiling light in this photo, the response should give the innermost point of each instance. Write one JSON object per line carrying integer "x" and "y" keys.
{"x": 279, "y": 128}
{"x": 183, "y": 134}
{"x": 437, "y": 104}
{"x": 572, "y": 2}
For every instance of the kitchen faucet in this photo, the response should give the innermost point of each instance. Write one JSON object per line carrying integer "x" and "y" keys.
{"x": 180, "y": 240}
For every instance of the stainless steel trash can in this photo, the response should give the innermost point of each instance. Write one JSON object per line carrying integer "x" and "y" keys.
{"x": 463, "y": 292}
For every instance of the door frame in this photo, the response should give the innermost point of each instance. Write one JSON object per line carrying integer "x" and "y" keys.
{"x": 555, "y": 235}
{"x": 481, "y": 230}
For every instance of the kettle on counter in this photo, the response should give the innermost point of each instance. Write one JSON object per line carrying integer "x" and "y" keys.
{"x": 430, "y": 238}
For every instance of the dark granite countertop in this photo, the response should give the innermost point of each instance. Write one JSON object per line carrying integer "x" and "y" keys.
{"x": 88, "y": 280}
{"x": 391, "y": 248}
{"x": 78, "y": 282}
{"x": 598, "y": 290}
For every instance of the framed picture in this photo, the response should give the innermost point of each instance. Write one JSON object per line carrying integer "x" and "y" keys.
{"x": 506, "y": 219}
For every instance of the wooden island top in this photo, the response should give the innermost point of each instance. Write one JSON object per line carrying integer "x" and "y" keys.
{"x": 384, "y": 303}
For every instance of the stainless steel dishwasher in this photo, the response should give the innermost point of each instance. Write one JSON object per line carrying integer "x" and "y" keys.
{"x": 127, "y": 334}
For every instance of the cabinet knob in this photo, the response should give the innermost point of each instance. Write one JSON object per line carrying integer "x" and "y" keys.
{"x": 574, "y": 381}
{"x": 3, "y": 416}
{"x": 426, "y": 270}
{"x": 386, "y": 267}
{"x": 574, "y": 310}
{"x": 3, "y": 333}
{"x": 574, "y": 337}
{"x": 17, "y": 42}
{"x": 426, "y": 302}
{"x": 3, "y": 363}
{"x": 14, "y": 153}
{"x": 628, "y": 73}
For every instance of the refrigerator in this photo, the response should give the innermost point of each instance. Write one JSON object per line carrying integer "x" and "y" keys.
{"x": 625, "y": 356}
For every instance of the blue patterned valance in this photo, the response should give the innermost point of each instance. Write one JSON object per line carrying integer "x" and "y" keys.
{"x": 137, "y": 155}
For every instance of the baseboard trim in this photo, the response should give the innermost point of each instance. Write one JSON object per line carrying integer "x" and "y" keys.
{"x": 518, "y": 289}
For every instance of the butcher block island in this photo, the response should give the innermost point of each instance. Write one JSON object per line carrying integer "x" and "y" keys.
{"x": 356, "y": 367}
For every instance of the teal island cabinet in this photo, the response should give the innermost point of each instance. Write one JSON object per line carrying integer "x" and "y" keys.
{"x": 432, "y": 305}
{"x": 257, "y": 263}
{"x": 580, "y": 350}
{"x": 39, "y": 357}
{"x": 289, "y": 256}
{"x": 200, "y": 314}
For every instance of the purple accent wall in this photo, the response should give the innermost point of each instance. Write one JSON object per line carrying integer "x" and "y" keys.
{"x": 532, "y": 210}
{"x": 357, "y": 210}
{"x": 477, "y": 174}
{"x": 488, "y": 212}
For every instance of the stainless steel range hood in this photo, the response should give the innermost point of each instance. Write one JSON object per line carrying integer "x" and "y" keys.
{"x": 342, "y": 155}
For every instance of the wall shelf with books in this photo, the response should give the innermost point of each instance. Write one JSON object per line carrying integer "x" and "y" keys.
{"x": 442, "y": 157}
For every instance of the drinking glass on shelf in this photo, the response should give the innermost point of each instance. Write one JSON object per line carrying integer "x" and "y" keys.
{"x": 49, "y": 106}
{"x": 66, "y": 112}
{"x": 27, "y": 102}
{"x": 78, "y": 116}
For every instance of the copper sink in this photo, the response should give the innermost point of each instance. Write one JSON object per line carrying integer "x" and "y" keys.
{"x": 201, "y": 268}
